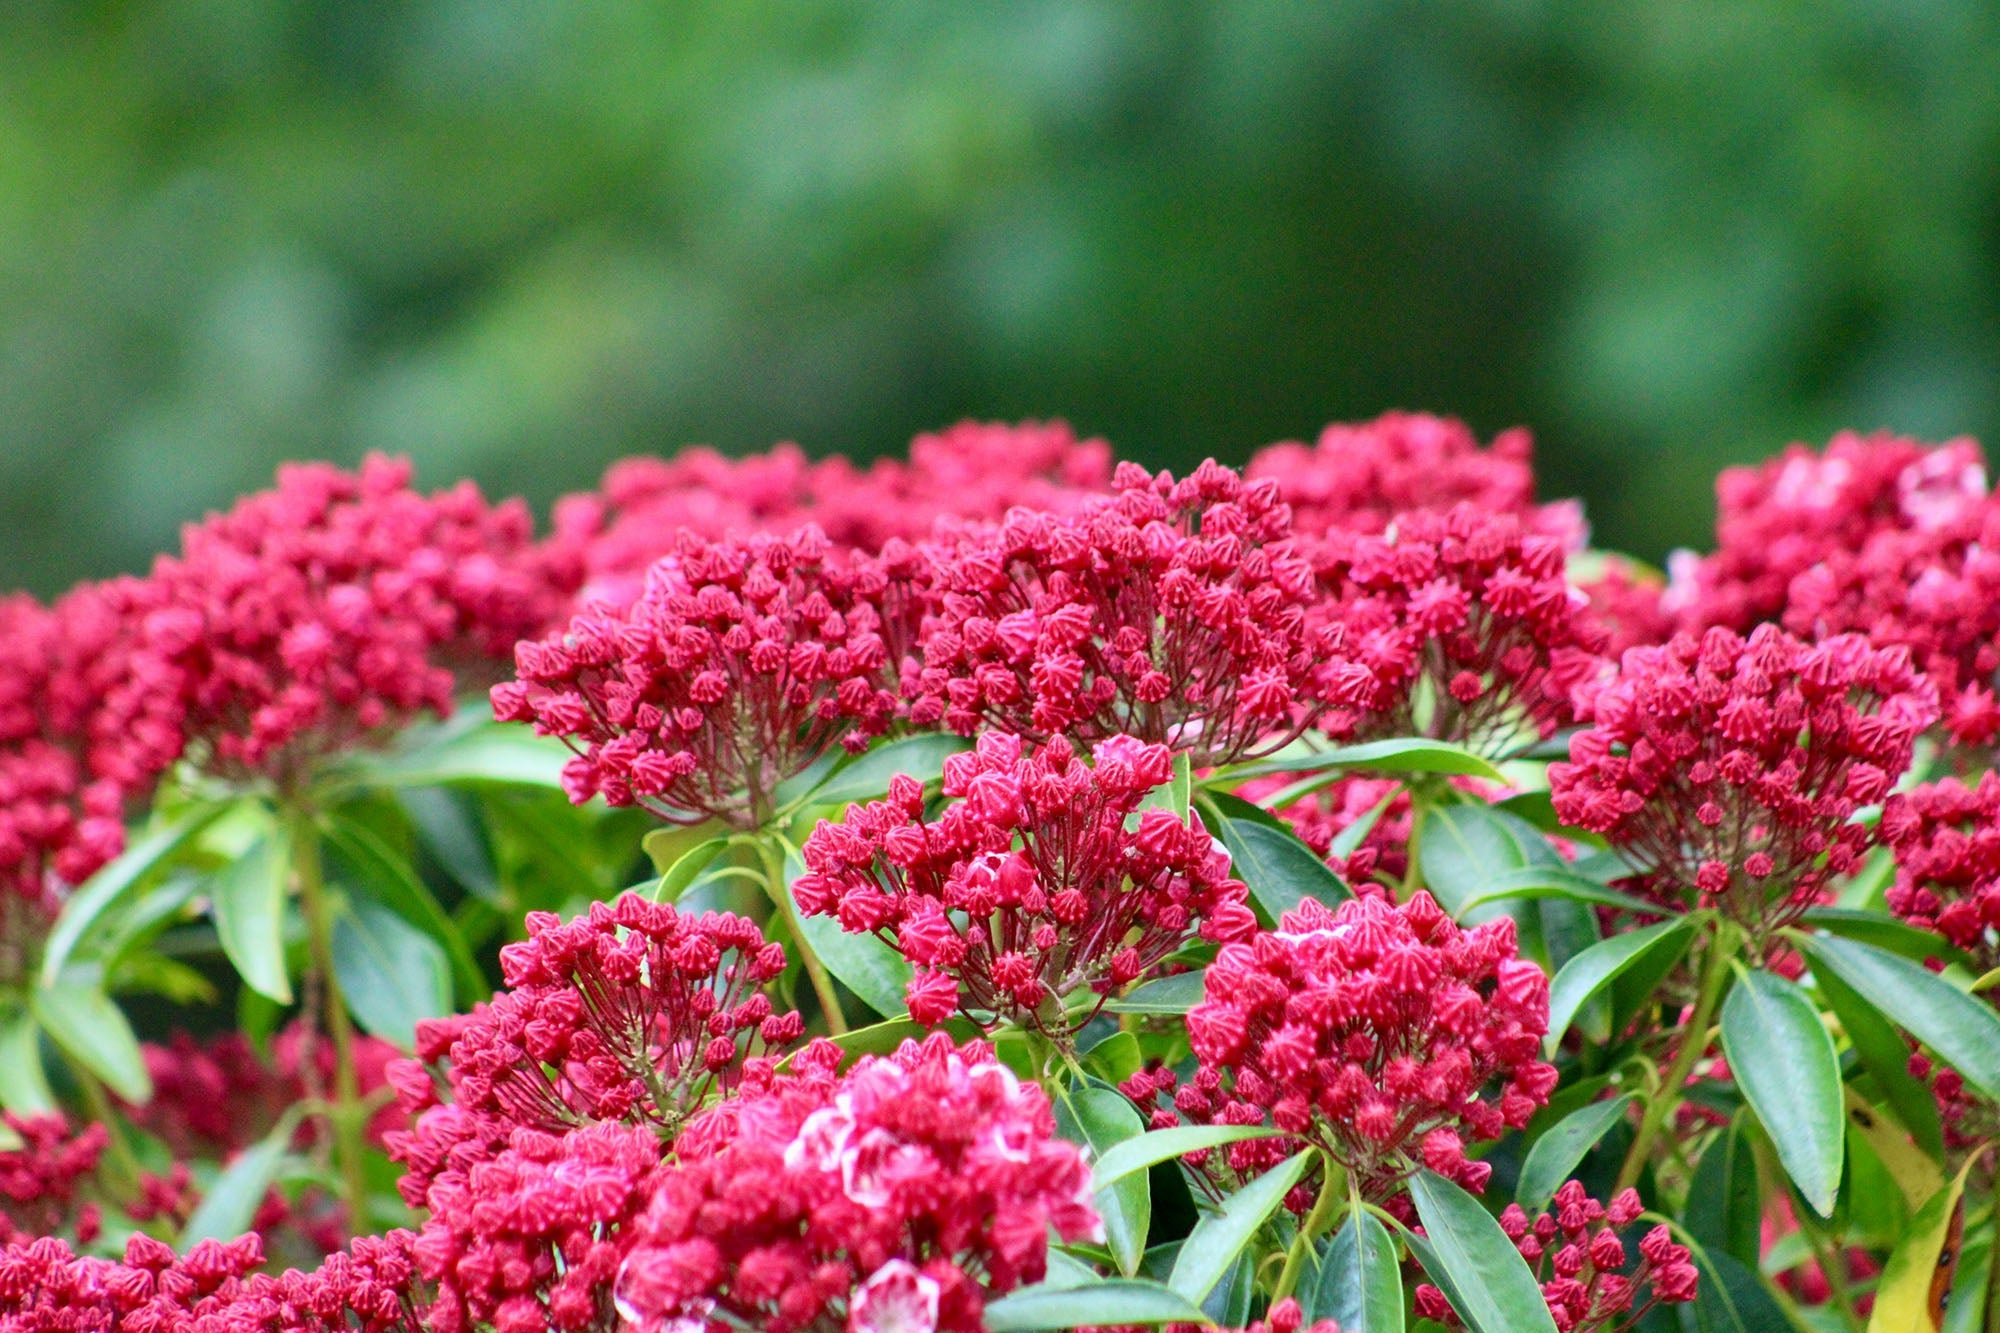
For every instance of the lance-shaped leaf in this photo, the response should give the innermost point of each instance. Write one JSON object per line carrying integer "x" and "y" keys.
{"x": 1591, "y": 971}
{"x": 1212, "y": 1247}
{"x": 1100, "y": 1118}
{"x": 91, "y": 1029}
{"x": 1360, "y": 1285}
{"x": 1965, "y": 1032}
{"x": 247, "y": 899}
{"x": 110, "y": 886}
{"x": 1556, "y": 1153}
{"x": 1784, "y": 1063}
{"x": 1162, "y": 1145}
{"x": 1079, "y": 1305}
{"x": 1167, "y": 996}
{"x": 1470, "y": 1258}
{"x": 1280, "y": 869}
{"x": 231, "y": 1204}
{"x": 866, "y": 776}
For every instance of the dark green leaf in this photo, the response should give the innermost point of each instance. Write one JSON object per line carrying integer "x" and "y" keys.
{"x": 1114, "y": 1059}
{"x": 231, "y": 1203}
{"x": 453, "y": 752}
{"x": 1162, "y": 1145}
{"x": 1117, "y": 1301}
{"x": 865, "y": 964}
{"x": 1464, "y": 848}
{"x": 1884, "y": 932}
{"x": 1406, "y": 754}
{"x": 363, "y": 864}
{"x": 1784, "y": 1063}
{"x": 1551, "y": 882}
{"x": 1963, "y": 1031}
{"x": 1360, "y": 1285}
{"x": 866, "y": 776}
{"x": 1212, "y": 1247}
{"x": 1731, "y": 1298}
{"x": 1724, "y": 1204}
{"x": 391, "y": 974}
{"x": 1473, "y": 1263}
{"x": 1885, "y": 1054}
{"x": 1168, "y": 995}
{"x": 109, "y": 887}
{"x": 1280, "y": 869}
{"x": 448, "y": 828}
{"x": 1101, "y": 1118}
{"x": 1596, "y": 967}
{"x": 92, "y": 1030}
{"x": 1215, "y": 807}
{"x": 1556, "y": 1154}
{"x": 247, "y": 899}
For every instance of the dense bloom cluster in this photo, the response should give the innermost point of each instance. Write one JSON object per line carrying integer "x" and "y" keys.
{"x": 1777, "y": 520}
{"x": 631, "y": 1013}
{"x": 42, "y": 1181}
{"x": 310, "y": 617}
{"x": 1579, "y": 1259}
{"x": 974, "y": 470}
{"x": 1174, "y": 611}
{"x": 1729, "y": 769}
{"x": 1358, "y": 477}
{"x": 1946, "y": 840}
{"x": 372, "y": 1285}
{"x": 45, "y": 1287}
{"x": 1042, "y": 880}
{"x": 895, "y": 1199}
{"x": 219, "y": 1096}
{"x": 1377, "y": 1032}
{"x": 740, "y": 664}
{"x": 1458, "y": 625}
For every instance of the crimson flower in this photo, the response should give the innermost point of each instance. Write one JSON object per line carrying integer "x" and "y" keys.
{"x": 1030, "y": 887}
{"x": 897, "y": 1198}
{"x": 1376, "y": 1032}
{"x": 1728, "y": 771}
{"x": 1946, "y": 840}
{"x": 741, "y": 664}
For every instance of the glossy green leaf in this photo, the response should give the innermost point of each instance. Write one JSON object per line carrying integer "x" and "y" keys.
{"x": 109, "y": 887}
{"x": 1885, "y": 932}
{"x": 865, "y": 964}
{"x": 391, "y": 974}
{"x": 1162, "y": 1145}
{"x": 1885, "y": 1054}
{"x": 24, "y": 1084}
{"x": 1116, "y": 1301}
{"x": 1470, "y": 1258}
{"x": 1724, "y": 1204}
{"x": 1784, "y": 1063}
{"x": 1167, "y": 995}
{"x": 1101, "y": 1118}
{"x": 866, "y": 776}
{"x": 1405, "y": 754}
{"x": 1555, "y": 1155}
{"x": 366, "y": 866}
{"x": 231, "y": 1203}
{"x": 247, "y": 899}
{"x": 92, "y": 1030}
{"x": 1591, "y": 971}
{"x": 1465, "y": 848}
{"x": 1963, "y": 1031}
{"x": 1360, "y": 1281}
{"x": 686, "y": 869}
{"x": 448, "y": 828}
{"x": 1210, "y": 1250}
{"x": 1530, "y": 882}
{"x": 1280, "y": 869}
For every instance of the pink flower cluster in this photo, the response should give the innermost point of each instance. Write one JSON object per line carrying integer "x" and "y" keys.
{"x": 45, "y": 1287}
{"x": 740, "y": 664}
{"x": 1041, "y": 881}
{"x": 1946, "y": 840}
{"x": 1375, "y": 1032}
{"x": 1174, "y": 611}
{"x": 896, "y": 1199}
{"x": 1577, "y": 1247}
{"x": 1728, "y": 770}
{"x": 42, "y": 1181}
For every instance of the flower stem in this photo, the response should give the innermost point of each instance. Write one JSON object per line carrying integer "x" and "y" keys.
{"x": 302, "y": 833}
{"x": 1330, "y": 1189}
{"x": 1694, "y": 1040}
{"x": 822, "y": 984}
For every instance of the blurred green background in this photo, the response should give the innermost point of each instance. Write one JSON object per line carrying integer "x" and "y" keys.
{"x": 518, "y": 240}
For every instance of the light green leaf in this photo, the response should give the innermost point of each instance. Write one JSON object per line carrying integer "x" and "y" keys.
{"x": 230, "y": 1205}
{"x": 1556, "y": 1153}
{"x": 866, "y": 776}
{"x": 1212, "y": 1247}
{"x": 1784, "y": 1063}
{"x": 1963, "y": 1031}
{"x": 1884, "y": 932}
{"x": 1161, "y": 1145}
{"x": 1101, "y": 1118}
{"x": 686, "y": 869}
{"x": 92, "y": 1030}
{"x": 1591, "y": 971}
{"x": 1117, "y": 1301}
{"x": 1470, "y": 1258}
{"x": 109, "y": 887}
{"x": 1408, "y": 754}
{"x": 1167, "y": 995}
{"x": 24, "y": 1084}
{"x": 247, "y": 899}
{"x": 391, "y": 974}
{"x": 1280, "y": 869}
{"x": 455, "y": 752}
{"x": 1360, "y": 1284}
{"x": 1553, "y": 882}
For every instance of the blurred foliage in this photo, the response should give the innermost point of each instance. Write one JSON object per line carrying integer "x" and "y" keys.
{"x": 518, "y": 239}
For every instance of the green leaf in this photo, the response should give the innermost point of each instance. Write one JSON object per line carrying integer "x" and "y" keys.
{"x": 24, "y": 1085}
{"x": 1163, "y": 1145}
{"x": 109, "y": 887}
{"x": 1117, "y": 1301}
{"x": 1114, "y": 1059}
{"x": 1473, "y": 1262}
{"x": 1406, "y": 754}
{"x": 455, "y": 752}
{"x": 1280, "y": 869}
{"x": 247, "y": 899}
{"x": 865, "y": 964}
{"x": 1210, "y": 1250}
{"x": 1724, "y": 1203}
{"x": 92, "y": 1030}
{"x": 1731, "y": 1298}
{"x": 1176, "y": 796}
{"x": 1902, "y": 1299}
{"x": 1598, "y": 966}
{"x": 866, "y": 776}
{"x": 1884, "y": 932}
{"x": 1167, "y": 995}
{"x": 364, "y": 865}
{"x": 1784, "y": 1063}
{"x": 1552, "y": 882}
{"x": 448, "y": 828}
{"x": 1556, "y": 1153}
{"x": 231, "y": 1203}
{"x": 1101, "y": 1118}
{"x": 686, "y": 869}
{"x": 1964, "y": 1032}
{"x": 1885, "y": 1054}
{"x": 1464, "y": 848}
{"x": 391, "y": 974}
{"x": 1360, "y": 1283}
